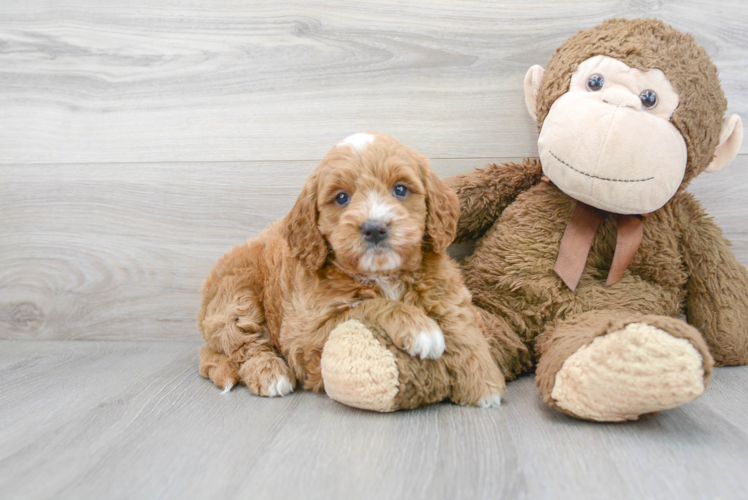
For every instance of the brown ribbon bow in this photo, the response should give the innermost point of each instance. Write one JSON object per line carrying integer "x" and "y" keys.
{"x": 577, "y": 242}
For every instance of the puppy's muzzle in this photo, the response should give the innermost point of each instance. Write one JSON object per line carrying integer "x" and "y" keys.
{"x": 374, "y": 231}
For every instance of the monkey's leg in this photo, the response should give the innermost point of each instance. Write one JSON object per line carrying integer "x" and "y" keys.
{"x": 362, "y": 367}
{"x": 614, "y": 366}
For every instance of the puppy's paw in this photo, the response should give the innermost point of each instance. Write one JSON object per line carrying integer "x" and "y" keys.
{"x": 479, "y": 383}
{"x": 218, "y": 368}
{"x": 429, "y": 344}
{"x": 267, "y": 376}
{"x": 491, "y": 400}
{"x": 280, "y": 387}
{"x": 419, "y": 335}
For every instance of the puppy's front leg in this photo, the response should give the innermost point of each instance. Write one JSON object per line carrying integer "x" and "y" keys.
{"x": 477, "y": 380}
{"x": 408, "y": 326}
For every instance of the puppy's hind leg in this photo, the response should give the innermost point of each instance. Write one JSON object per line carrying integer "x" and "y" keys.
{"x": 257, "y": 366}
{"x": 264, "y": 371}
{"x": 238, "y": 345}
{"x": 218, "y": 368}
{"x": 477, "y": 379}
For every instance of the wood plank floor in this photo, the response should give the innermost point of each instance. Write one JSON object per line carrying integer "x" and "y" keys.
{"x": 104, "y": 419}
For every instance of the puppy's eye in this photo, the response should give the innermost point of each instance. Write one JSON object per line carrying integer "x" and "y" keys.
{"x": 342, "y": 198}
{"x": 400, "y": 191}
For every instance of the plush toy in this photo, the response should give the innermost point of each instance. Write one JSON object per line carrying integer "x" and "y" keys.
{"x": 587, "y": 256}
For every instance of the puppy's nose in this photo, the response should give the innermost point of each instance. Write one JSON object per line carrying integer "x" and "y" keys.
{"x": 374, "y": 231}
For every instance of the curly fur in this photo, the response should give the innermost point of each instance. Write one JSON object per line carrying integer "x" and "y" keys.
{"x": 270, "y": 303}
{"x": 683, "y": 266}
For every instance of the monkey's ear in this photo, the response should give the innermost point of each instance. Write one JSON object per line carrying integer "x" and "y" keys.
{"x": 730, "y": 139}
{"x": 301, "y": 231}
{"x": 533, "y": 77}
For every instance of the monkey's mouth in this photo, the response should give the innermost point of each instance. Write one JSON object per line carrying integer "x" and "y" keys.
{"x": 595, "y": 176}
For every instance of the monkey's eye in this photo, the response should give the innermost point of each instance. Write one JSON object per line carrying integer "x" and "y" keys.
{"x": 342, "y": 198}
{"x": 595, "y": 82}
{"x": 649, "y": 99}
{"x": 400, "y": 191}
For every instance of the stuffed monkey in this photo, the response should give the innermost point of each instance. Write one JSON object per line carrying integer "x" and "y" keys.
{"x": 587, "y": 257}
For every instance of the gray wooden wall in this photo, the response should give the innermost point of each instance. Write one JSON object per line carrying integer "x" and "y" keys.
{"x": 140, "y": 139}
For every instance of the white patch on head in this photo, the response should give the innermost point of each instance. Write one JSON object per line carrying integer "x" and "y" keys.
{"x": 357, "y": 141}
{"x": 280, "y": 387}
{"x": 430, "y": 345}
{"x": 379, "y": 261}
{"x": 379, "y": 210}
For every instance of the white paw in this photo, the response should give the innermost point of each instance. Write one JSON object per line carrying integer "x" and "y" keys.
{"x": 227, "y": 388}
{"x": 429, "y": 345}
{"x": 489, "y": 401}
{"x": 280, "y": 387}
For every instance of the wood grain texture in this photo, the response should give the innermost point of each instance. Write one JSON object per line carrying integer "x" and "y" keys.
{"x": 99, "y": 251}
{"x": 143, "y": 81}
{"x": 134, "y": 420}
{"x": 102, "y": 252}
{"x": 140, "y": 140}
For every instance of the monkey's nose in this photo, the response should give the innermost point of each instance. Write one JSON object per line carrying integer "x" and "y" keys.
{"x": 618, "y": 97}
{"x": 374, "y": 231}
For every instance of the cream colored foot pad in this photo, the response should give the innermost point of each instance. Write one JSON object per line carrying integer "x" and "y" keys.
{"x": 622, "y": 375}
{"x": 357, "y": 370}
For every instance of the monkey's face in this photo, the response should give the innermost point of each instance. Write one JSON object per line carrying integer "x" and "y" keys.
{"x": 608, "y": 141}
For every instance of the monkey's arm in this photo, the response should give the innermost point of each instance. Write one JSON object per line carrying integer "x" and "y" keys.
{"x": 485, "y": 192}
{"x": 717, "y": 288}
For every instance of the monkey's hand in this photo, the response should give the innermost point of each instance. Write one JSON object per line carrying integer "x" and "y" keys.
{"x": 717, "y": 288}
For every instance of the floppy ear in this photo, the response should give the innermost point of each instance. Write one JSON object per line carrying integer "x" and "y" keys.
{"x": 300, "y": 228}
{"x": 443, "y": 210}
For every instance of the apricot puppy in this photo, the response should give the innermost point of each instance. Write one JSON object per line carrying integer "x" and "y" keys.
{"x": 365, "y": 240}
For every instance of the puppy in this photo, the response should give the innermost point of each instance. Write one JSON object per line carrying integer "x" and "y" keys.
{"x": 365, "y": 240}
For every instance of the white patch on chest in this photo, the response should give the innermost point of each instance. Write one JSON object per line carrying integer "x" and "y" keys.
{"x": 391, "y": 290}
{"x": 357, "y": 141}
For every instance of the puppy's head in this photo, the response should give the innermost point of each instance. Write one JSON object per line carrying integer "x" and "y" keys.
{"x": 374, "y": 205}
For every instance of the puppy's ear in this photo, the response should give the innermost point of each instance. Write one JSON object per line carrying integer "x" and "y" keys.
{"x": 300, "y": 228}
{"x": 443, "y": 210}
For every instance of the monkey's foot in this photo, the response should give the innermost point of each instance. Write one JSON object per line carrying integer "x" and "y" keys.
{"x": 361, "y": 367}
{"x": 628, "y": 373}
